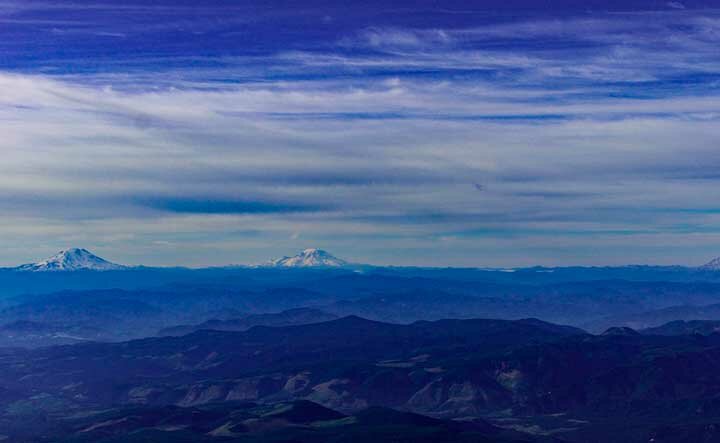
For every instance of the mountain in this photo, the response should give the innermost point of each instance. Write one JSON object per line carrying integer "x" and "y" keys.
{"x": 73, "y": 259}
{"x": 712, "y": 265}
{"x": 298, "y": 316}
{"x": 682, "y": 327}
{"x": 621, "y": 331}
{"x": 309, "y": 258}
{"x": 656, "y": 317}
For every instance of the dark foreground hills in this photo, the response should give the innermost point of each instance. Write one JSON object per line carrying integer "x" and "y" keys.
{"x": 298, "y": 421}
{"x": 473, "y": 376}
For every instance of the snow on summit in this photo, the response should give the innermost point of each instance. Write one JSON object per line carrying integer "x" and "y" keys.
{"x": 73, "y": 259}
{"x": 713, "y": 265}
{"x": 309, "y": 258}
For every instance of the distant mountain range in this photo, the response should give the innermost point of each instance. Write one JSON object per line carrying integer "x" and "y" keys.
{"x": 80, "y": 259}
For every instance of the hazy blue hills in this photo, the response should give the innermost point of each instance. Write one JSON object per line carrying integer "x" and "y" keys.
{"x": 238, "y": 299}
{"x": 681, "y": 327}
{"x": 286, "y": 318}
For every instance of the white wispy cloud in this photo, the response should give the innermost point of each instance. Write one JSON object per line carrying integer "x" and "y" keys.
{"x": 379, "y": 140}
{"x": 102, "y": 160}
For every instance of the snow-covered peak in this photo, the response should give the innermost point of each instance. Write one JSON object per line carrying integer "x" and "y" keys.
{"x": 713, "y": 265}
{"x": 73, "y": 259}
{"x": 310, "y": 258}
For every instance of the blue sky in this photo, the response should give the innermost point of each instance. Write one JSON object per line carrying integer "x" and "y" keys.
{"x": 487, "y": 133}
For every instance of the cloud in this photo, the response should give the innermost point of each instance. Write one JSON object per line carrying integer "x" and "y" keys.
{"x": 585, "y": 133}
{"x": 209, "y": 206}
{"x": 398, "y": 39}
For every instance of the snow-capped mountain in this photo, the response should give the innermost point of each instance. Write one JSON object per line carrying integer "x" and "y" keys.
{"x": 713, "y": 265}
{"x": 73, "y": 259}
{"x": 309, "y": 258}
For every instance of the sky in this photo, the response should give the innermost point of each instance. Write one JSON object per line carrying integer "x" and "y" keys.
{"x": 454, "y": 133}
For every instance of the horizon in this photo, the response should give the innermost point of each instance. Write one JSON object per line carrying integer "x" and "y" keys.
{"x": 506, "y": 134}
{"x": 348, "y": 262}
